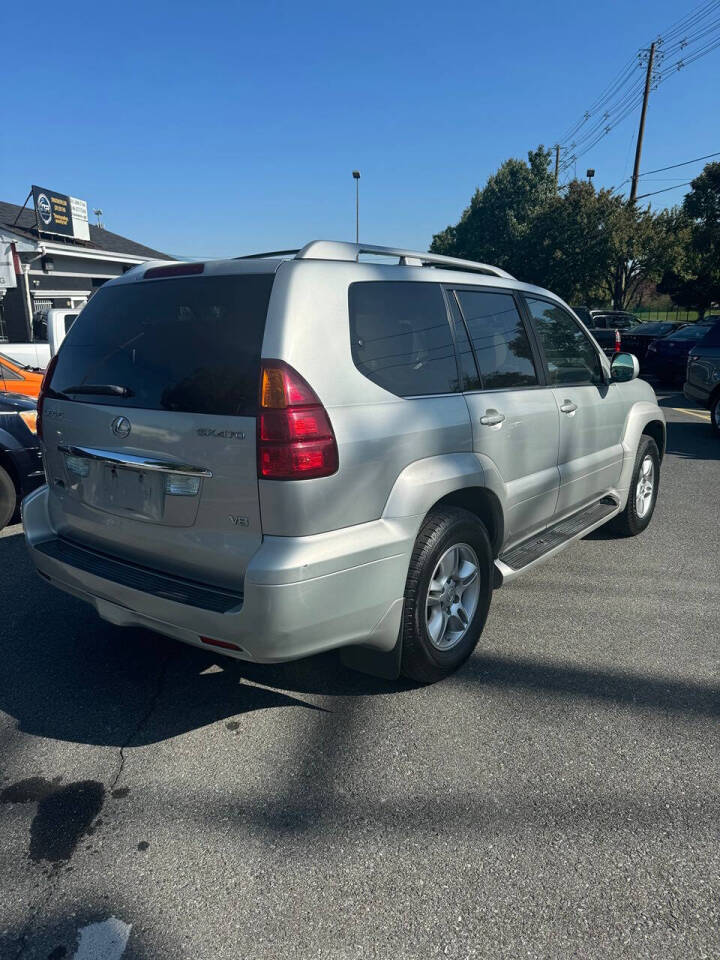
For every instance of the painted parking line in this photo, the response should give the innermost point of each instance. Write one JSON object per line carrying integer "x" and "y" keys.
{"x": 702, "y": 414}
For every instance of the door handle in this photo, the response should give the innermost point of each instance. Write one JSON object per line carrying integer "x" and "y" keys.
{"x": 492, "y": 418}
{"x": 567, "y": 406}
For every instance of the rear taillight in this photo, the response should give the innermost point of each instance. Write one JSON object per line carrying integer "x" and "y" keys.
{"x": 43, "y": 390}
{"x": 295, "y": 439}
{"x": 618, "y": 342}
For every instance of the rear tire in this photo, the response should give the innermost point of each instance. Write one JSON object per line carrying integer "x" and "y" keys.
{"x": 715, "y": 415}
{"x": 8, "y": 498}
{"x": 643, "y": 493}
{"x": 442, "y": 625}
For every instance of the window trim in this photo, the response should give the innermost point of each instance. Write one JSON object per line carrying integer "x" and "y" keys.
{"x": 448, "y": 317}
{"x": 538, "y": 360}
{"x": 596, "y": 350}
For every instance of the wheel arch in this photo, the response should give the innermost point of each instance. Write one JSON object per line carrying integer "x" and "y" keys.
{"x": 656, "y": 429}
{"x": 461, "y": 479}
{"x": 485, "y": 505}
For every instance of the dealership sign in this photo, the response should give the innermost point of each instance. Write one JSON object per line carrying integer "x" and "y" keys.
{"x": 57, "y": 213}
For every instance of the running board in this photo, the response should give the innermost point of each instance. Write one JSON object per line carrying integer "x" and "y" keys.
{"x": 553, "y": 539}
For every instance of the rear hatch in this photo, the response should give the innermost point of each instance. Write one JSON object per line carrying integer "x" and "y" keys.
{"x": 149, "y": 423}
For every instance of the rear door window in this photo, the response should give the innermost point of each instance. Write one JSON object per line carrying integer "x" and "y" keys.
{"x": 499, "y": 339}
{"x": 188, "y": 344}
{"x": 400, "y": 337}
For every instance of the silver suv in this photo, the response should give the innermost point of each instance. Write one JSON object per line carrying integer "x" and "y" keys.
{"x": 291, "y": 452}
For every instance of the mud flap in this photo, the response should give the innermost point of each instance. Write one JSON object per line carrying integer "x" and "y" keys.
{"x": 378, "y": 663}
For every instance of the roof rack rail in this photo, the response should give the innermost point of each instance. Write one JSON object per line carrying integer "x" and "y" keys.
{"x": 338, "y": 250}
{"x": 270, "y": 253}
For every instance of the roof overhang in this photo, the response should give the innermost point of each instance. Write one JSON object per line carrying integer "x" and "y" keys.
{"x": 25, "y": 245}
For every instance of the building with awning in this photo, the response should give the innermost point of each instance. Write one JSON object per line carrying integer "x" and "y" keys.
{"x": 44, "y": 264}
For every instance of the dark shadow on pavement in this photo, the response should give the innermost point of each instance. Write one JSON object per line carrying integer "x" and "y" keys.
{"x": 68, "y": 675}
{"x": 566, "y": 680}
{"x": 692, "y": 441}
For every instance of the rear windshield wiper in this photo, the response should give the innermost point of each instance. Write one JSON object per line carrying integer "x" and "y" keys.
{"x": 101, "y": 389}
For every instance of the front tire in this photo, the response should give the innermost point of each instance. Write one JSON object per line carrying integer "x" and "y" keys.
{"x": 447, "y": 594}
{"x": 715, "y": 415}
{"x": 8, "y": 498}
{"x": 643, "y": 493}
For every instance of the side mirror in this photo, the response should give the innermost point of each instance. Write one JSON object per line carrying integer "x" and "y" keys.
{"x": 624, "y": 367}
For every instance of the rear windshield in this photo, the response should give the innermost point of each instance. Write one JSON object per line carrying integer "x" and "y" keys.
{"x": 711, "y": 338}
{"x": 692, "y": 332}
{"x": 652, "y": 329}
{"x": 188, "y": 344}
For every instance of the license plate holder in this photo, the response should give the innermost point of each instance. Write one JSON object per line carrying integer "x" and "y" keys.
{"x": 136, "y": 493}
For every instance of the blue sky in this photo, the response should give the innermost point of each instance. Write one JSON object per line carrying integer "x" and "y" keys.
{"x": 215, "y": 129}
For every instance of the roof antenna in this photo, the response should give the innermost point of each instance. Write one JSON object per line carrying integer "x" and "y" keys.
{"x": 98, "y": 213}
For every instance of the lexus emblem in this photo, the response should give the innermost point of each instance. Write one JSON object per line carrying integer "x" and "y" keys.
{"x": 121, "y": 426}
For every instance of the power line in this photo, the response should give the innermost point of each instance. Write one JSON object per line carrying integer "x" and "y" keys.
{"x": 674, "y": 166}
{"x": 688, "y": 39}
{"x": 665, "y": 190}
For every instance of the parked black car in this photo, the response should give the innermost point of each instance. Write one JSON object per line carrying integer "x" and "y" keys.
{"x": 667, "y": 358}
{"x": 21, "y": 468}
{"x": 638, "y": 339}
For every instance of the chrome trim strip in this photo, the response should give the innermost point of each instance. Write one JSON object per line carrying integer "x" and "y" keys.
{"x": 131, "y": 462}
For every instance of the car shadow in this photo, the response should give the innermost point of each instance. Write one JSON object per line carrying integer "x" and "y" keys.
{"x": 68, "y": 675}
{"x": 692, "y": 440}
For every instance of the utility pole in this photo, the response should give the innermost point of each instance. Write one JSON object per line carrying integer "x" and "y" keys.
{"x": 557, "y": 164}
{"x": 641, "y": 131}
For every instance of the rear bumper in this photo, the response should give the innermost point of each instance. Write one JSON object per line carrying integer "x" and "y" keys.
{"x": 665, "y": 367}
{"x": 698, "y": 394}
{"x": 302, "y": 595}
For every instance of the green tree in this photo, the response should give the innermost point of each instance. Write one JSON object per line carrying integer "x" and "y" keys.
{"x": 587, "y": 245}
{"x": 694, "y": 279}
{"x": 492, "y": 228}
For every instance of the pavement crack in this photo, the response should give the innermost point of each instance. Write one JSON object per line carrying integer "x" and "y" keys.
{"x": 162, "y": 675}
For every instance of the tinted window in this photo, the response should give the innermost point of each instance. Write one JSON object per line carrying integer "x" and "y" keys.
{"x": 712, "y": 338}
{"x": 501, "y": 345}
{"x": 7, "y": 374}
{"x": 691, "y": 332}
{"x": 190, "y": 344}
{"x": 653, "y": 329}
{"x": 400, "y": 337}
{"x": 569, "y": 355}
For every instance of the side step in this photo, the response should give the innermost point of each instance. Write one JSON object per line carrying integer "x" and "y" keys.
{"x": 536, "y": 548}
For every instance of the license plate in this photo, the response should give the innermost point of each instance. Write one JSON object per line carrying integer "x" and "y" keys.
{"x": 132, "y": 492}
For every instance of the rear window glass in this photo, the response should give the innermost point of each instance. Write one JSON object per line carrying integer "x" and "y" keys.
{"x": 190, "y": 345}
{"x": 652, "y": 329}
{"x": 691, "y": 332}
{"x": 400, "y": 337}
{"x": 711, "y": 339}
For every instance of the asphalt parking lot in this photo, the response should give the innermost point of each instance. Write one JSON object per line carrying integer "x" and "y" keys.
{"x": 558, "y": 797}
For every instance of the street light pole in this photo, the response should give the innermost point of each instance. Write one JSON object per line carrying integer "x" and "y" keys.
{"x": 356, "y": 177}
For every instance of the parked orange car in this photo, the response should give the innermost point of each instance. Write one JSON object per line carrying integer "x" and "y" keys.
{"x": 17, "y": 378}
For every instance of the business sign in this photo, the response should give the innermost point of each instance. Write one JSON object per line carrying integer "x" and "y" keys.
{"x": 58, "y": 213}
{"x": 81, "y": 227}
